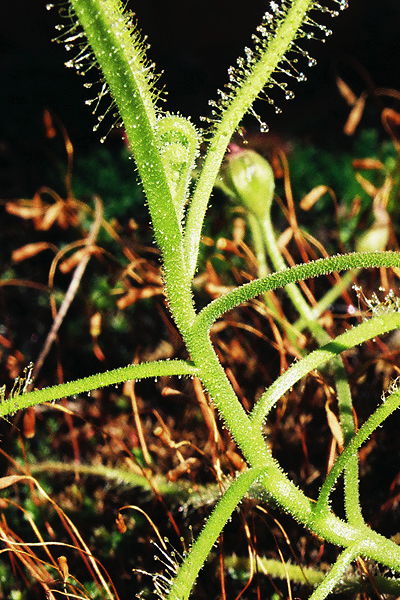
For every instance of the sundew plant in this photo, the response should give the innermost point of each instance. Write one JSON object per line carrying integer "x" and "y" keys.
{"x": 101, "y": 34}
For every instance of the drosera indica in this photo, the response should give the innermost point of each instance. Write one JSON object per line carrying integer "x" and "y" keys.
{"x": 104, "y": 35}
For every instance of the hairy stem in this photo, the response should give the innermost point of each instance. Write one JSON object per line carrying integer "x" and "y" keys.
{"x": 249, "y": 438}
{"x": 336, "y": 573}
{"x": 187, "y": 573}
{"x": 263, "y": 271}
{"x": 93, "y": 382}
{"x": 243, "y": 99}
{"x": 322, "y": 266}
{"x": 388, "y": 406}
{"x": 329, "y": 298}
{"x": 119, "y": 53}
{"x": 351, "y": 338}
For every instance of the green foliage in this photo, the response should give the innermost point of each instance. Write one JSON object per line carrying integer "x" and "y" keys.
{"x": 164, "y": 152}
{"x": 311, "y": 166}
{"x": 112, "y": 174}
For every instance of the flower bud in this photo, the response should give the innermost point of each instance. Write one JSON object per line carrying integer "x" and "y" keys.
{"x": 251, "y": 178}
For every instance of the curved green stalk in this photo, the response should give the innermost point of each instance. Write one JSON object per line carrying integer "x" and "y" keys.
{"x": 120, "y": 53}
{"x": 351, "y": 338}
{"x": 190, "y": 495}
{"x": 195, "y": 559}
{"x": 93, "y": 382}
{"x": 206, "y": 317}
{"x": 180, "y": 490}
{"x": 114, "y": 474}
{"x": 285, "y": 493}
{"x": 279, "y": 264}
{"x": 245, "y": 94}
{"x": 256, "y": 234}
{"x": 263, "y": 271}
{"x": 336, "y": 573}
{"x": 388, "y": 406}
{"x": 322, "y": 266}
{"x": 178, "y": 141}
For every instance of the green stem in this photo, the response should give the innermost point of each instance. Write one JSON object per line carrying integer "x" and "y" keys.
{"x": 336, "y": 573}
{"x": 263, "y": 271}
{"x": 119, "y": 53}
{"x": 388, "y": 406}
{"x": 242, "y": 100}
{"x": 322, "y": 266}
{"x": 182, "y": 490}
{"x": 345, "y": 403}
{"x": 258, "y": 243}
{"x": 120, "y": 56}
{"x": 351, "y": 338}
{"x": 279, "y": 264}
{"x": 93, "y": 382}
{"x": 276, "y": 483}
{"x": 220, "y": 390}
{"x": 114, "y": 474}
{"x": 187, "y": 573}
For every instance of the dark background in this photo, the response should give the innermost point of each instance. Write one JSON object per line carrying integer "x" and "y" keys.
{"x": 194, "y": 43}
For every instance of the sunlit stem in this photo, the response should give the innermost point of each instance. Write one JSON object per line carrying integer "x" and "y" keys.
{"x": 336, "y": 573}
{"x": 94, "y": 382}
{"x": 244, "y": 97}
{"x": 193, "y": 562}
{"x": 388, "y": 406}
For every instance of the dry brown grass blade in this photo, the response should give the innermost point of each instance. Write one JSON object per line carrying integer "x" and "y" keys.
{"x": 366, "y": 185}
{"x": 252, "y": 562}
{"x": 391, "y": 122}
{"x": 130, "y": 389}
{"x": 209, "y": 418}
{"x": 346, "y": 92}
{"x": 306, "y": 290}
{"x": 51, "y": 124}
{"x": 287, "y": 540}
{"x": 308, "y": 201}
{"x": 355, "y": 115}
{"x": 93, "y": 565}
{"x": 36, "y": 531}
{"x": 369, "y": 164}
{"x": 29, "y": 250}
{"x": 30, "y": 562}
{"x": 149, "y": 520}
{"x": 72, "y": 261}
{"x": 291, "y": 211}
{"x": 334, "y": 277}
{"x": 135, "y": 294}
{"x": 334, "y": 425}
{"x": 24, "y": 283}
{"x": 36, "y": 566}
{"x": 390, "y": 92}
{"x": 23, "y": 209}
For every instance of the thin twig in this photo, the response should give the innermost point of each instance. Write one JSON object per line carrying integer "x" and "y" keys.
{"x": 70, "y": 294}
